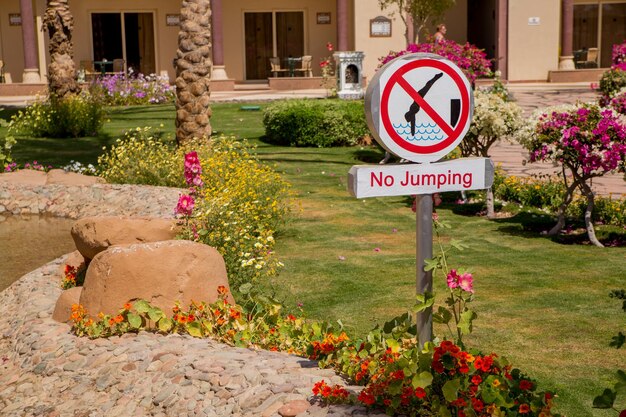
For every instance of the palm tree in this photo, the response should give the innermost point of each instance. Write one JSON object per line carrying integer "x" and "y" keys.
{"x": 61, "y": 71}
{"x": 193, "y": 65}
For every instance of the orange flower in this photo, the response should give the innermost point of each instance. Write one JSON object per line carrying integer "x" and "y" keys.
{"x": 524, "y": 409}
{"x": 220, "y": 321}
{"x": 221, "y": 290}
{"x": 111, "y": 322}
{"x": 127, "y": 306}
{"x": 190, "y": 318}
{"x": 234, "y": 314}
{"x": 119, "y": 318}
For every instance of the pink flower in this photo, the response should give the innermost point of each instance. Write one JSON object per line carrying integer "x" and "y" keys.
{"x": 466, "y": 282}
{"x": 185, "y": 205}
{"x": 329, "y": 46}
{"x": 376, "y": 249}
{"x": 453, "y": 279}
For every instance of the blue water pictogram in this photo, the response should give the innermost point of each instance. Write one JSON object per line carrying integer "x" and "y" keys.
{"x": 424, "y": 131}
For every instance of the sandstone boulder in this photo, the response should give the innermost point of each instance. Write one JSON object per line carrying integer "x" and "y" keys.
{"x": 62, "y": 177}
{"x": 95, "y": 234}
{"x": 63, "y": 307}
{"x": 158, "y": 272}
{"x": 25, "y": 177}
{"x": 294, "y": 408}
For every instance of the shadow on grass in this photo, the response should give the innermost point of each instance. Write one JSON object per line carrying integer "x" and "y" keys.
{"x": 532, "y": 225}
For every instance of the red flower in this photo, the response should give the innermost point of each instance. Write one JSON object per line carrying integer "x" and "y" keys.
{"x": 326, "y": 391}
{"x": 420, "y": 392}
{"x": 476, "y": 379}
{"x": 478, "y": 405}
{"x": 366, "y": 398}
{"x": 329, "y": 46}
{"x": 524, "y": 409}
{"x": 291, "y": 317}
{"x": 398, "y": 374}
{"x": 525, "y": 385}
{"x": 221, "y": 290}
{"x": 623, "y": 413}
{"x": 387, "y": 401}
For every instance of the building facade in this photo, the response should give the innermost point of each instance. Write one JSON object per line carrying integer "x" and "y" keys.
{"x": 527, "y": 39}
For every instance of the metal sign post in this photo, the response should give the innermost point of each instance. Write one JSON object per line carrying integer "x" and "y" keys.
{"x": 424, "y": 250}
{"x": 419, "y": 107}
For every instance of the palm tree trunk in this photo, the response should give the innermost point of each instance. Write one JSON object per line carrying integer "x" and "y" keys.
{"x": 193, "y": 71}
{"x": 61, "y": 71}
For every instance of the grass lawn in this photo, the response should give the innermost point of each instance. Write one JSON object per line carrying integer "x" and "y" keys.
{"x": 541, "y": 303}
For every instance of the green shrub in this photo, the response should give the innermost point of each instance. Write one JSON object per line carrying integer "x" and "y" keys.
{"x": 70, "y": 116}
{"x": 320, "y": 123}
{"x": 607, "y": 210}
{"x": 141, "y": 157}
{"x": 611, "y": 83}
{"x": 544, "y": 192}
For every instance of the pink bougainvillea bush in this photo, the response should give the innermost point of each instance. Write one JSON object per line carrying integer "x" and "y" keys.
{"x": 472, "y": 60}
{"x": 589, "y": 141}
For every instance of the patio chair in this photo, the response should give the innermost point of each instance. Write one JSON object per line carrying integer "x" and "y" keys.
{"x": 275, "y": 66}
{"x": 118, "y": 65}
{"x": 89, "y": 68}
{"x": 306, "y": 68}
{"x": 591, "y": 61}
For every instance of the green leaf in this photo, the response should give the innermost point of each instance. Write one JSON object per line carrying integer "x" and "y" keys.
{"x": 155, "y": 314}
{"x": 141, "y": 306}
{"x": 442, "y": 315}
{"x": 194, "y": 329}
{"x": 451, "y": 389}
{"x": 605, "y": 400}
{"x": 457, "y": 244}
{"x": 465, "y": 322}
{"x": 165, "y": 324}
{"x": 422, "y": 380}
{"x": 431, "y": 264}
{"x": 424, "y": 302}
{"x": 444, "y": 412}
{"x": 134, "y": 320}
{"x": 245, "y": 288}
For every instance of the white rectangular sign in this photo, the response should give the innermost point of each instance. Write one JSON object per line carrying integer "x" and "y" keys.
{"x": 413, "y": 179}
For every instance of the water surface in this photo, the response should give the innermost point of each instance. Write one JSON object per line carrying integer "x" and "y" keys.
{"x": 28, "y": 242}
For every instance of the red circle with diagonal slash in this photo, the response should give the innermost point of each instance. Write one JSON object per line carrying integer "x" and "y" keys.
{"x": 397, "y": 78}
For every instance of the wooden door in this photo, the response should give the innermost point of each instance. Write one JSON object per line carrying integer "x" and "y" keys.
{"x": 290, "y": 34}
{"x": 259, "y": 45}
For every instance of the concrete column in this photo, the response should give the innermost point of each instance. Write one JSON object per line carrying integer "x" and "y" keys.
{"x": 342, "y": 25}
{"x": 219, "y": 70}
{"x": 502, "y": 38}
{"x": 566, "y": 60}
{"x": 31, "y": 68}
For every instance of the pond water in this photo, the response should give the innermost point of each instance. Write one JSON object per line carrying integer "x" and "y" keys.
{"x": 28, "y": 242}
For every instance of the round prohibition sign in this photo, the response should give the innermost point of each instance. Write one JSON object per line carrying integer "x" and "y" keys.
{"x": 419, "y": 107}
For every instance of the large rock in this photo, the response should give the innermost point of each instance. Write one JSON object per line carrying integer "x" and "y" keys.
{"x": 62, "y": 177}
{"x": 158, "y": 272}
{"x": 92, "y": 235}
{"x": 63, "y": 307}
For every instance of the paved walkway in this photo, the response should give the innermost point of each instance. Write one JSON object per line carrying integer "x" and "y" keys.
{"x": 510, "y": 156}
